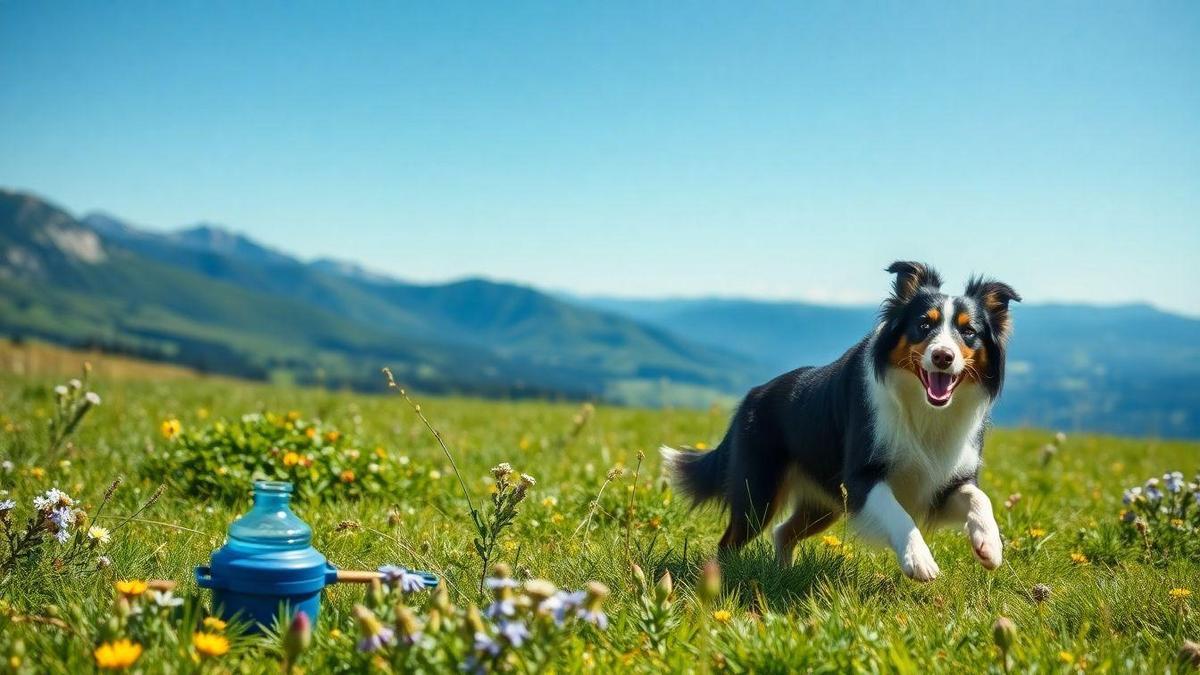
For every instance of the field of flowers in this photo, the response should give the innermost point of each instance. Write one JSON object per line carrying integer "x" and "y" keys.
{"x": 559, "y": 544}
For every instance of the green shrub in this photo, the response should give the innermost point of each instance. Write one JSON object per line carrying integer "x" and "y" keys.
{"x": 222, "y": 459}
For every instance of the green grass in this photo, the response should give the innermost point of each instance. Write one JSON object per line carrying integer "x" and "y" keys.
{"x": 831, "y": 612}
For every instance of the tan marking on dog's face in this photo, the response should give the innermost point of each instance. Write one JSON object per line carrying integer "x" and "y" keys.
{"x": 907, "y": 356}
{"x": 962, "y": 319}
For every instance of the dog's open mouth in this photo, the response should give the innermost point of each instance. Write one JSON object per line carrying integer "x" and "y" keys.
{"x": 939, "y": 387}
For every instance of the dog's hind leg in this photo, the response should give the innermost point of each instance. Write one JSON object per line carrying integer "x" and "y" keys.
{"x": 805, "y": 521}
{"x": 753, "y": 501}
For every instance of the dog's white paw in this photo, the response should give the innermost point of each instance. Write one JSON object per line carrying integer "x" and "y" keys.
{"x": 917, "y": 560}
{"x": 985, "y": 540}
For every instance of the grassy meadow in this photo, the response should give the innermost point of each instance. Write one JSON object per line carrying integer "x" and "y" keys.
{"x": 1109, "y": 597}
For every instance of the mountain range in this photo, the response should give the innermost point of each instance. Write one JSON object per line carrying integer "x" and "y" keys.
{"x": 220, "y": 302}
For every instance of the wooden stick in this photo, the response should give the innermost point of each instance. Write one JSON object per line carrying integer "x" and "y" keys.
{"x": 357, "y": 576}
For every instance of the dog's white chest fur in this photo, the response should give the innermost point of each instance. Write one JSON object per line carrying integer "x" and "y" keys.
{"x": 925, "y": 447}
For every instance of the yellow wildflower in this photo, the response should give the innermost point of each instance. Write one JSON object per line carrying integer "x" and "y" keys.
{"x": 1037, "y": 532}
{"x": 37, "y": 472}
{"x": 291, "y": 459}
{"x": 170, "y": 428}
{"x": 1177, "y": 522}
{"x": 117, "y": 655}
{"x": 210, "y": 644}
{"x": 549, "y": 502}
{"x": 434, "y": 474}
{"x": 347, "y": 476}
{"x": 701, "y": 446}
{"x": 293, "y": 415}
{"x": 131, "y": 587}
{"x": 99, "y": 534}
{"x": 831, "y": 541}
{"x": 722, "y": 616}
{"x": 1066, "y": 657}
{"x": 332, "y": 436}
{"x": 556, "y": 518}
{"x": 380, "y": 452}
{"x": 311, "y": 432}
{"x": 1179, "y": 593}
{"x": 213, "y": 623}
{"x": 1079, "y": 558}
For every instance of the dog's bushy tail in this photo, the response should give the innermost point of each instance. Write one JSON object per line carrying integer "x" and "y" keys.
{"x": 699, "y": 475}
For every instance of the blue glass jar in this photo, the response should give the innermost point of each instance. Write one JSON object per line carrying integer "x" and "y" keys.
{"x": 267, "y": 565}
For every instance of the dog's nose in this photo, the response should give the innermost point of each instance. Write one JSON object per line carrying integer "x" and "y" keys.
{"x": 942, "y": 357}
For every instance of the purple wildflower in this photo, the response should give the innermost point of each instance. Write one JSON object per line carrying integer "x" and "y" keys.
{"x": 515, "y": 632}
{"x": 500, "y": 609}
{"x": 62, "y": 517}
{"x": 399, "y": 577}
{"x": 485, "y": 644}
{"x": 382, "y": 637}
{"x": 595, "y": 617}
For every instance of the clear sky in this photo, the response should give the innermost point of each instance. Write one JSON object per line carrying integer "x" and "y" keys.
{"x": 783, "y": 150}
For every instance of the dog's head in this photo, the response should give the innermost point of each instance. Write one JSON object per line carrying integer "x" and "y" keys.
{"x": 944, "y": 341}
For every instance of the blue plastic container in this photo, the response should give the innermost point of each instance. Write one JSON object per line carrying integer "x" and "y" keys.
{"x": 268, "y": 563}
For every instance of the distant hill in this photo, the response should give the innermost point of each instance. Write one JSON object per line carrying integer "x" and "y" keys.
{"x": 221, "y": 302}
{"x": 1129, "y": 369}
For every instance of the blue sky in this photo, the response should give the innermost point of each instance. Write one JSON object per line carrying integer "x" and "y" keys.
{"x": 781, "y": 150}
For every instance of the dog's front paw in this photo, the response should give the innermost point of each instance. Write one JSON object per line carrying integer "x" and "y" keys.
{"x": 917, "y": 560}
{"x": 985, "y": 540}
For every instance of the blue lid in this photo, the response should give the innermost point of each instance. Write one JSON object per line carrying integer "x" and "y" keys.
{"x": 269, "y": 550}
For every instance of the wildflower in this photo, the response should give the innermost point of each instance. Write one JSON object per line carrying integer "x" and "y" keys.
{"x": 117, "y": 655}
{"x": 7, "y": 466}
{"x": 170, "y": 429}
{"x": 1079, "y": 558}
{"x": 332, "y": 436}
{"x": 1173, "y": 481}
{"x": 502, "y": 471}
{"x": 722, "y": 616}
{"x": 61, "y": 390}
{"x": 1179, "y": 593}
{"x": 596, "y": 593}
{"x": 1066, "y": 657}
{"x": 214, "y": 624}
{"x": 291, "y": 459}
{"x": 7, "y": 505}
{"x": 103, "y": 562}
{"x": 1153, "y": 494}
{"x": 62, "y": 517}
{"x": 710, "y": 582}
{"x": 375, "y": 634}
{"x": 311, "y": 432}
{"x": 434, "y": 474}
{"x": 1131, "y": 495}
{"x": 51, "y": 499}
{"x": 1037, "y": 532}
{"x": 399, "y": 577}
{"x": 1040, "y": 593}
{"x": 37, "y": 472}
{"x": 210, "y": 644}
{"x": 165, "y": 599}
{"x": 527, "y": 482}
{"x": 484, "y": 644}
{"x": 514, "y": 632}
{"x": 91, "y": 398}
{"x": 297, "y": 638}
{"x": 347, "y": 476}
{"x": 550, "y": 502}
{"x": 1060, "y": 438}
{"x": 131, "y": 587}
{"x": 831, "y": 541}
{"x": 75, "y": 383}
{"x": 98, "y": 534}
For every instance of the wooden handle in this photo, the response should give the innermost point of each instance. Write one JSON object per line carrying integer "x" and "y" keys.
{"x": 357, "y": 576}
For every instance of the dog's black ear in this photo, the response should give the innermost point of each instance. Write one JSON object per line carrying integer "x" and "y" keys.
{"x": 994, "y": 296}
{"x": 910, "y": 278}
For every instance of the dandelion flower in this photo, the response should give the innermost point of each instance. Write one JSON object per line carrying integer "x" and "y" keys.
{"x": 831, "y": 541}
{"x": 347, "y": 476}
{"x": 1066, "y": 657}
{"x": 131, "y": 587}
{"x": 210, "y": 644}
{"x": 332, "y": 436}
{"x": 1179, "y": 593}
{"x": 98, "y": 534}
{"x": 117, "y": 655}
{"x": 170, "y": 428}
{"x": 722, "y": 616}
{"x": 291, "y": 459}
{"x": 1079, "y": 558}
{"x": 1037, "y": 532}
{"x": 214, "y": 624}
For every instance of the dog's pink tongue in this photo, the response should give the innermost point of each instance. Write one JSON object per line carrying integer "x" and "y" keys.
{"x": 939, "y": 385}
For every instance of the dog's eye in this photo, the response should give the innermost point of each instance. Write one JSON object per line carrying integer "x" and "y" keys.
{"x": 925, "y": 325}
{"x": 967, "y": 332}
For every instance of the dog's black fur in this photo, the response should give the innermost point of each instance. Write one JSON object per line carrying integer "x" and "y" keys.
{"x": 819, "y": 423}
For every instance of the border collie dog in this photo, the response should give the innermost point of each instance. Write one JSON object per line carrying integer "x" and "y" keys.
{"x": 898, "y": 421}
